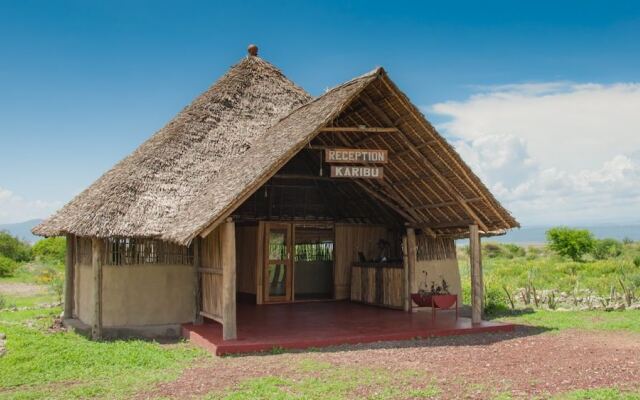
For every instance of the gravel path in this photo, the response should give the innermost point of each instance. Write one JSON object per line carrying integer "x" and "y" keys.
{"x": 524, "y": 363}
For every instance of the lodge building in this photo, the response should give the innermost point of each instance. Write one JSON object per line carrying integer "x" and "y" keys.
{"x": 260, "y": 210}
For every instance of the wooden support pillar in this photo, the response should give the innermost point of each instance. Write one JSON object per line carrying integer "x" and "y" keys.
{"x": 412, "y": 261}
{"x": 405, "y": 275}
{"x": 197, "y": 264}
{"x": 69, "y": 280}
{"x": 475, "y": 264}
{"x": 228, "y": 239}
{"x": 96, "y": 262}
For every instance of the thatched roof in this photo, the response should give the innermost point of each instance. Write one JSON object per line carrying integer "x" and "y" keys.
{"x": 219, "y": 150}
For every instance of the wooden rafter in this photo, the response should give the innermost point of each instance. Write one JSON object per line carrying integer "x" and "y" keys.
{"x": 423, "y": 160}
{"x": 431, "y": 130}
{"x": 357, "y": 129}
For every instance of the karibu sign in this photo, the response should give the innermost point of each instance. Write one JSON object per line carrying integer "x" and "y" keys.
{"x": 356, "y": 156}
{"x": 352, "y": 171}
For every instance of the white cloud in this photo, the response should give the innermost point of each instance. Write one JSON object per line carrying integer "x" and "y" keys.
{"x": 554, "y": 152}
{"x": 14, "y": 208}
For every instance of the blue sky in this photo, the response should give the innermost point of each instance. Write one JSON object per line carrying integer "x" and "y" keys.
{"x": 82, "y": 83}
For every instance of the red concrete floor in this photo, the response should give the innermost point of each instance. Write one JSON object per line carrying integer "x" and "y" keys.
{"x": 321, "y": 324}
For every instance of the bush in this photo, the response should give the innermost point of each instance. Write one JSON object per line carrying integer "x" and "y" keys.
{"x": 492, "y": 250}
{"x": 606, "y": 248}
{"x": 7, "y": 266}
{"x": 53, "y": 277}
{"x": 573, "y": 243}
{"x": 636, "y": 261}
{"x": 515, "y": 250}
{"x": 14, "y": 248}
{"x": 495, "y": 300}
{"x": 51, "y": 250}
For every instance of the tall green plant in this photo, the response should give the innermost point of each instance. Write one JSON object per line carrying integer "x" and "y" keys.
{"x": 14, "y": 248}
{"x": 572, "y": 243}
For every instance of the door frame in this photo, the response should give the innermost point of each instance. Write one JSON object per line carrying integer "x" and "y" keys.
{"x": 288, "y": 263}
{"x": 262, "y": 295}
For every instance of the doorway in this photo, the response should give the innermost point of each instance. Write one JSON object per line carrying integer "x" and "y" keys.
{"x": 298, "y": 262}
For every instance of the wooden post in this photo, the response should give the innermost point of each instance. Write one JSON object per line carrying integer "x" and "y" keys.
{"x": 69, "y": 279}
{"x": 228, "y": 239}
{"x": 96, "y": 261}
{"x": 412, "y": 261}
{"x": 197, "y": 264}
{"x": 405, "y": 275}
{"x": 475, "y": 265}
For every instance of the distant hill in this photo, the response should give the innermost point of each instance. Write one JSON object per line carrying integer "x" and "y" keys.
{"x": 22, "y": 230}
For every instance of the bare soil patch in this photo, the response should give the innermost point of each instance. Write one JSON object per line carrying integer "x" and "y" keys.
{"x": 523, "y": 363}
{"x": 21, "y": 289}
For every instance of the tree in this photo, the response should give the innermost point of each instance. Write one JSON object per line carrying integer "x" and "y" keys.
{"x": 50, "y": 250}
{"x": 573, "y": 243}
{"x": 14, "y": 248}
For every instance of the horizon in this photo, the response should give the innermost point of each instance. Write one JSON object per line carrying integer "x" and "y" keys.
{"x": 541, "y": 101}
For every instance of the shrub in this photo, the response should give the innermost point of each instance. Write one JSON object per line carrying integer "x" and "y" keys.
{"x": 515, "y": 250}
{"x": 492, "y": 250}
{"x": 14, "y": 248}
{"x": 54, "y": 278}
{"x": 627, "y": 240}
{"x": 606, "y": 248}
{"x": 636, "y": 261}
{"x": 51, "y": 250}
{"x": 573, "y": 243}
{"x": 495, "y": 300}
{"x": 7, "y": 266}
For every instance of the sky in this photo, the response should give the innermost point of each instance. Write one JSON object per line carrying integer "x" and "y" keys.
{"x": 541, "y": 98}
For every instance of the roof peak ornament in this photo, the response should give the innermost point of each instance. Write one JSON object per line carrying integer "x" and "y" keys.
{"x": 252, "y": 50}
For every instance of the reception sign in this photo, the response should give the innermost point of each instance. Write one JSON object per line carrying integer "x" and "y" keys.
{"x": 356, "y": 156}
{"x": 352, "y": 171}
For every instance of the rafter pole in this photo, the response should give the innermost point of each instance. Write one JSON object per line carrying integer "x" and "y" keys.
{"x": 421, "y": 158}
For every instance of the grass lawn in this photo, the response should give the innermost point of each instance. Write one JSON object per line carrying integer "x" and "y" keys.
{"x": 39, "y": 364}
{"x": 588, "y": 320}
{"x": 64, "y": 365}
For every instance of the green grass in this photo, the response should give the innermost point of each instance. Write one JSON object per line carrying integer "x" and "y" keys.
{"x": 323, "y": 381}
{"x": 39, "y": 364}
{"x": 547, "y": 271}
{"x": 588, "y": 320}
{"x": 598, "y": 394}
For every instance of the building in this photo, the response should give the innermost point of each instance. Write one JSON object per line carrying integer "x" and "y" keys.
{"x": 257, "y": 193}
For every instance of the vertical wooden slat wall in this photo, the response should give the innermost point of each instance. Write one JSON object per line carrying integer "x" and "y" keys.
{"x": 211, "y": 278}
{"x": 351, "y": 239}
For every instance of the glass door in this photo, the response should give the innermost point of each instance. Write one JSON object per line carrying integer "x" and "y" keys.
{"x": 278, "y": 263}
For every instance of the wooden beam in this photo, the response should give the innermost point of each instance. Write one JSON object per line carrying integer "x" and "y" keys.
{"x": 228, "y": 245}
{"x": 197, "y": 266}
{"x": 445, "y": 203}
{"x": 413, "y": 111}
{"x": 96, "y": 263}
{"x": 423, "y": 160}
{"x": 404, "y": 152}
{"x": 412, "y": 260}
{"x": 386, "y": 201}
{"x": 447, "y": 224}
{"x": 475, "y": 263}
{"x": 406, "y": 292}
{"x": 69, "y": 277}
{"x": 357, "y": 129}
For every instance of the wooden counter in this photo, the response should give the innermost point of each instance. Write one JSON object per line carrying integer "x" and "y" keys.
{"x": 377, "y": 283}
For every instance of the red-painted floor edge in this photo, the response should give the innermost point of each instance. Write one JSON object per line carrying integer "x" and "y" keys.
{"x": 238, "y": 347}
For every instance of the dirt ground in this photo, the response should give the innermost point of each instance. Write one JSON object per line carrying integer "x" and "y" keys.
{"x": 21, "y": 289}
{"x": 524, "y": 363}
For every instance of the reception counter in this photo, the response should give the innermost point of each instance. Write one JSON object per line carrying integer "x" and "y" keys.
{"x": 378, "y": 283}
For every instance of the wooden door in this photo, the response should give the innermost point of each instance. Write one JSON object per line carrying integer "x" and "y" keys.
{"x": 278, "y": 263}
